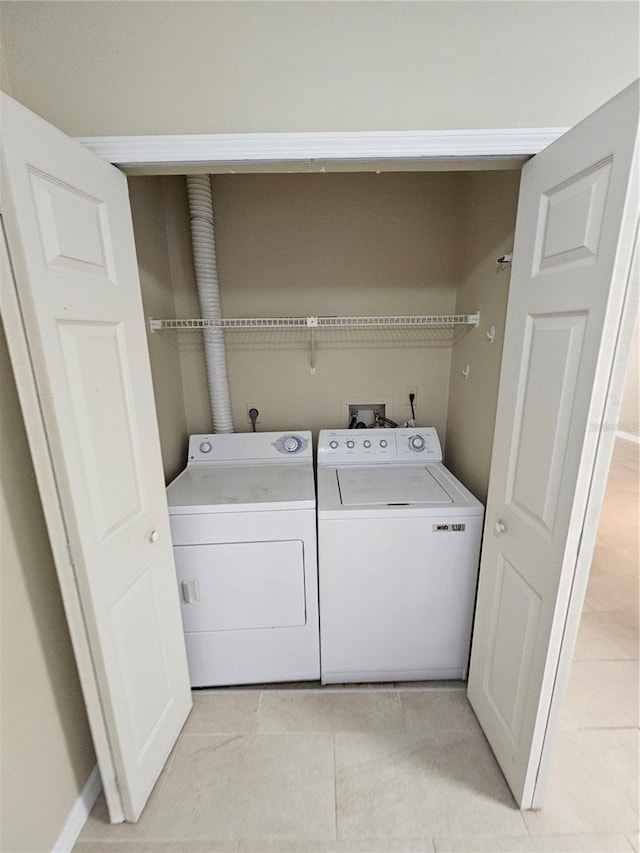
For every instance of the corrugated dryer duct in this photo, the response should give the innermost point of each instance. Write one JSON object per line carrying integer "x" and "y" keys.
{"x": 204, "y": 255}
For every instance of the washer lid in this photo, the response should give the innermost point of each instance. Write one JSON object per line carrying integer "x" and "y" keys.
{"x": 242, "y": 488}
{"x": 390, "y": 486}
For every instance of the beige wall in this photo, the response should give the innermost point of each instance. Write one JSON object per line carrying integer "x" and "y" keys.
{"x": 154, "y": 204}
{"x": 198, "y": 67}
{"x": 46, "y": 753}
{"x": 629, "y": 421}
{"x": 328, "y": 244}
{"x": 489, "y": 203}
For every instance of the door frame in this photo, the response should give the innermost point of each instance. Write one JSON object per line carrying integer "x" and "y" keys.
{"x": 429, "y": 150}
{"x": 492, "y": 149}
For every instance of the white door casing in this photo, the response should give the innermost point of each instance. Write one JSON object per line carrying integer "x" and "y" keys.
{"x": 575, "y": 231}
{"x": 70, "y": 239}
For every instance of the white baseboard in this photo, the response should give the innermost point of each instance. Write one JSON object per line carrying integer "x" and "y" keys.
{"x": 78, "y": 815}
{"x": 628, "y": 436}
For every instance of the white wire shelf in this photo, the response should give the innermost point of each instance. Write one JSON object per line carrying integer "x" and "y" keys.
{"x": 434, "y": 321}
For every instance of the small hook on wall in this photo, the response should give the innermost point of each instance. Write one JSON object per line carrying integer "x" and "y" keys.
{"x": 491, "y": 334}
{"x": 466, "y": 371}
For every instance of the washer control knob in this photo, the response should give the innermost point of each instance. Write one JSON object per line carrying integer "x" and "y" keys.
{"x": 333, "y": 444}
{"x": 417, "y": 443}
{"x": 383, "y": 442}
{"x": 351, "y": 444}
{"x": 291, "y": 444}
{"x": 205, "y": 447}
{"x": 367, "y": 443}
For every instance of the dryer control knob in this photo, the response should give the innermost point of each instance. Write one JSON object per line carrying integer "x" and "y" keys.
{"x": 417, "y": 443}
{"x": 205, "y": 447}
{"x": 367, "y": 443}
{"x": 351, "y": 444}
{"x": 333, "y": 444}
{"x": 383, "y": 442}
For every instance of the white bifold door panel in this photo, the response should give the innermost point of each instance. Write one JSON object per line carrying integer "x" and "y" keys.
{"x": 76, "y": 304}
{"x": 577, "y": 222}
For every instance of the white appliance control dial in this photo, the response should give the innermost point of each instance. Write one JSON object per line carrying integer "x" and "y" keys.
{"x": 290, "y": 444}
{"x": 205, "y": 447}
{"x": 351, "y": 444}
{"x": 383, "y": 443}
{"x": 417, "y": 443}
{"x": 366, "y": 443}
{"x": 333, "y": 445}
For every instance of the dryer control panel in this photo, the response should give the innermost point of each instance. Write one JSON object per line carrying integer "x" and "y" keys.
{"x": 249, "y": 448}
{"x": 374, "y": 446}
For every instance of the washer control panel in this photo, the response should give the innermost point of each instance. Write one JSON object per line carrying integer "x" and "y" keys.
{"x": 373, "y": 446}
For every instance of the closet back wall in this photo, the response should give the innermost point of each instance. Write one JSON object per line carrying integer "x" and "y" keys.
{"x": 344, "y": 244}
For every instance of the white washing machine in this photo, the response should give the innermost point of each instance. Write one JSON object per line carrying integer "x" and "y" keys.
{"x": 398, "y": 551}
{"x": 243, "y": 523}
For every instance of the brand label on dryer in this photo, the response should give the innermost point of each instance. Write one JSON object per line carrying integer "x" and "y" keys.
{"x": 449, "y": 528}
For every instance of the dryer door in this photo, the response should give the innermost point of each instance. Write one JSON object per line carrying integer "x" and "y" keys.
{"x": 240, "y": 586}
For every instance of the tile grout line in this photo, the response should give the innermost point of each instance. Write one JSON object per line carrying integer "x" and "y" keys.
{"x": 335, "y": 788}
{"x": 404, "y": 714}
{"x": 258, "y": 712}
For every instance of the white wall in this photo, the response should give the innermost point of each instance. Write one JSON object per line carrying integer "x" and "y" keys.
{"x": 196, "y": 67}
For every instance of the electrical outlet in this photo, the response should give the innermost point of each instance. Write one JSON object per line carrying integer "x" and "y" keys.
{"x": 257, "y": 406}
{"x": 410, "y": 389}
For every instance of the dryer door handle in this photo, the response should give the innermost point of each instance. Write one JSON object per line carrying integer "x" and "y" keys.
{"x": 190, "y": 591}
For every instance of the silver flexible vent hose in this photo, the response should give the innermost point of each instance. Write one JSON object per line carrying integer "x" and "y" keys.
{"x": 204, "y": 255}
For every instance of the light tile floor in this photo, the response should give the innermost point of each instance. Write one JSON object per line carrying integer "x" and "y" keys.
{"x": 394, "y": 768}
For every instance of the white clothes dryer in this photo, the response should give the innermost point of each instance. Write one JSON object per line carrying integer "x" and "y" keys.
{"x": 243, "y": 524}
{"x": 398, "y": 552}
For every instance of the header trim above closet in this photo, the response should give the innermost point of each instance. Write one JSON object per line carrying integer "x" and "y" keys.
{"x": 178, "y": 154}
